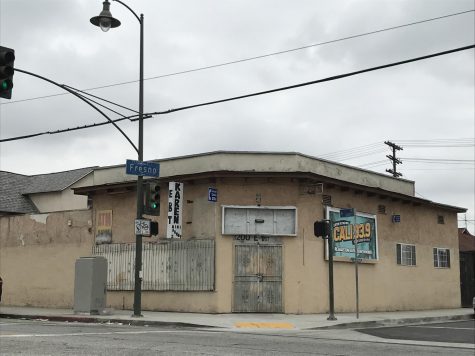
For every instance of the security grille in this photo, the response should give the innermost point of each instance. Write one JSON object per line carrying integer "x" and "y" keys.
{"x": 186, "y": 265}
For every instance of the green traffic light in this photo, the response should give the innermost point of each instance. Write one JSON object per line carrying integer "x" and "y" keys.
{"x": 6, "y": 84}
{"x": 154, "y": 205}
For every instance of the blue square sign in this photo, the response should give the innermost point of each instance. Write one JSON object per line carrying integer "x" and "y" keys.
{"x": 212, "y": 194}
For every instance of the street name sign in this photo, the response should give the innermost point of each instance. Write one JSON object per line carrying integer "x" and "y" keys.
{"x": 149, "y": 169}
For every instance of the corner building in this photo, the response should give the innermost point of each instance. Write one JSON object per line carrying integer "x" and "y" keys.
{"x": 239, "y": 237}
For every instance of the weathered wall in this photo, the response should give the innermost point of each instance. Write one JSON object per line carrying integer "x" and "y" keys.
{"x": 383, "y": 285}
{"x": 38, "y": 254}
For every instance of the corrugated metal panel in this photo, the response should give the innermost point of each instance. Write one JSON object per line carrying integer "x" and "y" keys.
{"x": 185, "y": 265}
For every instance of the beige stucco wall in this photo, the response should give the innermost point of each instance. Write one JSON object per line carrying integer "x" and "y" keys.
{"x": 38, "y": 255}
{"x": 383, "y": 285}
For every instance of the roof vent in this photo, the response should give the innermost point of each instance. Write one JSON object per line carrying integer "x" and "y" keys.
{"x": 327, "y": 200}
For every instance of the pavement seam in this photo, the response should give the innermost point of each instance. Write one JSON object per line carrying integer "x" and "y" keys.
{"x": 85, "y": 319}
{"x": 393, "y": 322}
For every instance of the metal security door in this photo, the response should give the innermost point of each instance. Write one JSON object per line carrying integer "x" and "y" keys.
{"x": 258, "y": 278}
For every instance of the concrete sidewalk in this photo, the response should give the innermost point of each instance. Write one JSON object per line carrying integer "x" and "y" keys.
{"x": 242, "y": 321}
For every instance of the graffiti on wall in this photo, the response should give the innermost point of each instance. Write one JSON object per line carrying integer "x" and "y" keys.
{"x": 104, "y": 227}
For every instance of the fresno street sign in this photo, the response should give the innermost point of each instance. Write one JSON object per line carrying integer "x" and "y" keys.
{"x": 138, "y": 168}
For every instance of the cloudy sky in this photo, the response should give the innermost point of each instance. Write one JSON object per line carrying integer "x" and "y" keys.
{"x": 426, "y": 107}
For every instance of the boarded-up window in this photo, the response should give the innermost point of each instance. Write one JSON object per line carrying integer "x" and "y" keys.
{"x": 186, "y": 265}
{"x": 245, "y": 220}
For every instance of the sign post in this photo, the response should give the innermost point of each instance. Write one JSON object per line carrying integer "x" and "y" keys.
{"x": 330, "y": 273}
{"x": 347, "y": 213}
{"x": 355, "y": 237}
{"x": 140, "y": 169}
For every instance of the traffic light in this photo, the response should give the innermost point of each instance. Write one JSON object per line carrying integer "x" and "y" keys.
{"x": 321, "y": 228}
{"x": 7, "y": 57}
{"x": 152, "y": 198}
{"x": 153, "y": 228}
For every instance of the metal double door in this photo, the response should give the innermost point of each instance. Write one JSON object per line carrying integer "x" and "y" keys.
{"x": 257, "y": 278}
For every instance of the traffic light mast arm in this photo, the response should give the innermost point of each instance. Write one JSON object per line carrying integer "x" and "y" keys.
{"x": 64, "y": 87}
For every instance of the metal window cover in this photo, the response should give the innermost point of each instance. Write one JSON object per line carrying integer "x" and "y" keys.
{"x": 259, "y": 216}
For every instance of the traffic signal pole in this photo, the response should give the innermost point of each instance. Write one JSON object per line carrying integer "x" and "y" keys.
{"x": 140, "y": 199}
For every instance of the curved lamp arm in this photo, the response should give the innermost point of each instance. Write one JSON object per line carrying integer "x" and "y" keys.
{"x": 132, "y": 11}
{"x": 65, "y": 87}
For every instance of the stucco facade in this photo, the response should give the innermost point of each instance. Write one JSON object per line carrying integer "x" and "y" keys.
{"x": 383, "y": 284}
{"x": 255, "y": 181}
{"x": 37, "y": 256}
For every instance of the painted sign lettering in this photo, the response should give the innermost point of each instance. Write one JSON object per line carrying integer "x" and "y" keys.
{"x": 345, "y": 230}
{"x": 175, "y": 207}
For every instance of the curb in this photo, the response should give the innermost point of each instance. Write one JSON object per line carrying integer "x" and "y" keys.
{"x": 395, "y": 322}
{"x": 87, "y": 319}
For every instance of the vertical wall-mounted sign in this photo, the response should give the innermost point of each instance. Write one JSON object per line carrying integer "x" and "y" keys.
{"x": 104, "y": 227}
{"x": 175, "y": 210}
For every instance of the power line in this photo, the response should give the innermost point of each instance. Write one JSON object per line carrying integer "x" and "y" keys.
{"x": 340, "y": 76}
{"x": 335, "y": 77}
{"x": 451, "y": 142}
{"x": 439, "y": 160}
{"x": 366, "y": 149}
{"x": 253, "y": 58}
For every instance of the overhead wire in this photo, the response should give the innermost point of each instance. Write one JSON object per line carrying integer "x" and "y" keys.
{"x": 254, "y": 57}
{"x": 335, "y": 77}
{"x": 445, "y": 142}
{"x": 100, "y": 98}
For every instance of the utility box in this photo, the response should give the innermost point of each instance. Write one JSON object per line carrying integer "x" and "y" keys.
{"x": 90, "y": 285}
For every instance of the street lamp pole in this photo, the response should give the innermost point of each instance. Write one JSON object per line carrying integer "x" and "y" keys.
{"x": 105, "y": 21}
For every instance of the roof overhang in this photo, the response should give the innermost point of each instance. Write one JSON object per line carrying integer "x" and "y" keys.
{"x": 303, "y": 177}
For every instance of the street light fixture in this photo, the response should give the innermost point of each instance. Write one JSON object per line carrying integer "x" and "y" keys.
{"x": 105, "y": 21}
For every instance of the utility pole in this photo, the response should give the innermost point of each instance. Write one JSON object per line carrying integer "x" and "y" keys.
{"x": 393, "y": 159}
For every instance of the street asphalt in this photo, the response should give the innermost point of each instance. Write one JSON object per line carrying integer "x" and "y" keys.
{"x": 243, "y": 321}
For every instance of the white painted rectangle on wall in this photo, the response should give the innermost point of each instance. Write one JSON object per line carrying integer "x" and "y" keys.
{"x": 175, "y": 210}
{"x": 260, "y": 220}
